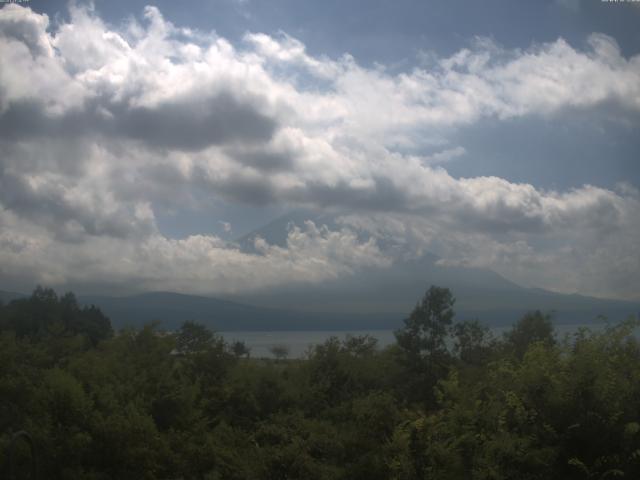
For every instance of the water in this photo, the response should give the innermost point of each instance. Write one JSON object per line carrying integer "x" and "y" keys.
{"x": 298, "y": 342}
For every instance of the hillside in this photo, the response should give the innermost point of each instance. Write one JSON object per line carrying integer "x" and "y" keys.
{"x": 171, "y": 309}
{"x": 481, "y": 293}
{"x": 6, "y": 297}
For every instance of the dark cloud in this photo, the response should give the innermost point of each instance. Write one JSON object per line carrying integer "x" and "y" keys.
{"x": 162, "y": 183}
{"x": 265, "y": 161}
{"x": 47, "y": 205}
{"x": 191, "y": 125}
{"x": 197, "y": 123}
{"x": 25, "y": 119}
{"x": 247, "y": 189}
{"x": 383, "y": 195}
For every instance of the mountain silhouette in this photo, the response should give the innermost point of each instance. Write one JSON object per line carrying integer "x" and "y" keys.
{"x": 480, "y": 292}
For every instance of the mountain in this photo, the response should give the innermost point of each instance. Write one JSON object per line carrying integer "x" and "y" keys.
{"x": 481, "y": 293}
{"x": 172, "y": 309}
{"x": 6, "y": 297}
{"x": 491, "y": 305}
{"x": 276, "y": 231}
{"x": 371, "y": 298}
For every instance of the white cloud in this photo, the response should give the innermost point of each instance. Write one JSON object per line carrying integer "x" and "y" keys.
{"x": 197, "y": 263}
{"x": 114, "y": 123}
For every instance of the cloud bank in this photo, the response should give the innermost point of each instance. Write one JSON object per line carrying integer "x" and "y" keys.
{"x": 102, "y": 125}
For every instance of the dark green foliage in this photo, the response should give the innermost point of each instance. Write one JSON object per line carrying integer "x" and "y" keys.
{"x": 425, "y": 331}
{"x": 280, "y": 351}
{"x": 533, "y": 327}
{"x": 472, "y": 342}
{"x": 193, "y": 338}
{"x": 448, "y": 401}
{"x": 45, "y": 316}
{"x": 240, "y": 349}
{"x": 423, "y": 346}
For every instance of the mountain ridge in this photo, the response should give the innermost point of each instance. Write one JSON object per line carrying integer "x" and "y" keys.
{"x": 370, "y": 298}
{"x": 221, "y": 314}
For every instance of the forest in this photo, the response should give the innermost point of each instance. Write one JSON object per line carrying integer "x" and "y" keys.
{"x": 448, "y": 400}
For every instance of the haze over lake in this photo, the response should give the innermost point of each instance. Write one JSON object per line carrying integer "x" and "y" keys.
{"x": 299, "y": 342}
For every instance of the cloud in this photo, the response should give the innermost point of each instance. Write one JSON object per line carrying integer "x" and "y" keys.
{"x": 197, "y": 263}
{"x": 70, "y": 212}
{"x": 195, "y": 124}
{"x": 28, "y": 29}
{"x": 601, "y": 262}
{"x": 116, "y": 122}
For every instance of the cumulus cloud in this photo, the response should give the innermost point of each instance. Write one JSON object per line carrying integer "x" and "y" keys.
{"x": 600, "y": 261}
{"x": 115, "y": 122}
{"x": 197, "y": 263}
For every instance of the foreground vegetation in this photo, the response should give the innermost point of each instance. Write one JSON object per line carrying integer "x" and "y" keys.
{"x": 447, "y": 401}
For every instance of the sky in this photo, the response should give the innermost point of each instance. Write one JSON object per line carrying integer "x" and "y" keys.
{"x": 138, "y": 142}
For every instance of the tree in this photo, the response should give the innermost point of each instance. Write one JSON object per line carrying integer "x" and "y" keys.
{"x": 360, "y": 345}
{"x": 472, "y": 342}
{"x": 194, "y": 337}
{"x": 425, "y": 331}
{"x": 206, "y": 356}
{"x": 240, "y": 349}
{"x": 280, "y": 351}
{"x": 95, "y": 324}
{"x": 45, "y": 315}
{"x": 422, "y": 341}
{"x": 533, "y": 327}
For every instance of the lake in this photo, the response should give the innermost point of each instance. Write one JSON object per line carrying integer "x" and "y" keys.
{"x": 298, "y": 342}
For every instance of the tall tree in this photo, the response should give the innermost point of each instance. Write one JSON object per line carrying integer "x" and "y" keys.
{"x": 422, "y": 341}
{"x": 531, "y": 328}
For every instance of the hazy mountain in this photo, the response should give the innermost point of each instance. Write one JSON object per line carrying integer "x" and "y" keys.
{"x": 275, "y": 232}
{"x": 370, "y": 298}
{"x": 329, "y": 311}
{"x": 171, "y": 309}
{"x": 480, "y": 293}
{"x": 6, "y": 297}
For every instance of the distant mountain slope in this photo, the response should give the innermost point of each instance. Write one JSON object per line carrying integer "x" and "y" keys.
{"x": 500, "y": 308}
{"x": 370, "y": 298}
{"x": 481, "y": 293}
{"x": 276, "y": 231}
{"x": 171, "y": 309}
{"x": 327, "y": 310}
{"x": 6, "y": 297}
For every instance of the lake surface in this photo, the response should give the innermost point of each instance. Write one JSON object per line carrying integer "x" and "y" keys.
{"x": 298, "y": 342}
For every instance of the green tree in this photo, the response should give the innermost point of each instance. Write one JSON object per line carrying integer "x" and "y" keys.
{"x": 240, "y": 349}
{"x": 193, "y": 338}
{"x": 45, "y": 315}
{"x": 425, "y": 331}
{"x": 281, "y": 352}
{"x": 472, "y": 342}
{"x": 422, "y": 342}
{"x": 531, "y": 328}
